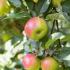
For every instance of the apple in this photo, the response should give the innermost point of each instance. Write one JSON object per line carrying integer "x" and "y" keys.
{"x": 4, "y": 7}
{"x": 36, "y": 28}
{"x": 49, "y": 63}
{"x": 30, "y": 62}
{"x": 56, "y": 3}
{"x": 35, "y": 1}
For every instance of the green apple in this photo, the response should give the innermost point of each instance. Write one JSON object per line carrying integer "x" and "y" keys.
{"x": 56, "y": 3}
{"x": 35, "y": 1}
{"x": 49, "y": 63}
{"x": 30, "y": 62}
{"x": 4, "y": 7}
{"x": 36, "y": 28}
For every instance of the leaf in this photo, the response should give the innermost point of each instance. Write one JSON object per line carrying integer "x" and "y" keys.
{"x": 54, "y": 16}
{"x": 16, "y": 3}
{"x": 50, "y": 42}
{"x": 30, "y": 4}
{"x": 55, "y": 37}
{"x": 64, "y": 52}
{"x": 66, "y": 38}
{"x": 67, "y": 63}
{"x": 16, "y": 40}
{"x": 64, "y": 55}
{"x": 45, "y": 6}
{"x": 18, "y": 15}
{"x": 66, "y": 9}
{"x": 42, "y": 6}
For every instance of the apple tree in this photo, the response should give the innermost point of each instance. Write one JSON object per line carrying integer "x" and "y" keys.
{"x": 34, "y": 34}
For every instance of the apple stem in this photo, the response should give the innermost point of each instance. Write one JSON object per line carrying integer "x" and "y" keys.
{"x": 53, "y": 27}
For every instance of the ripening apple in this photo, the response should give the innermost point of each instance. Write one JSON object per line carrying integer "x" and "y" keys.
{"x": 30, "y": 62}
{"x": 4, "y": 7}
{"x": 36, "y": 28}
{"x": 49, "y": 63}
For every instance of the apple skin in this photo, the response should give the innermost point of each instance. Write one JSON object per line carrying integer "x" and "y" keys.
{"x": 4, "y": 7}
{"x": 49, "y": 63}
{"x": 36, "y": 28}
{"x": 31, "y": 62}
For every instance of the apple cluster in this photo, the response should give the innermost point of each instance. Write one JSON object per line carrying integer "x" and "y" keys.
{"x": 36, "y": 28}
{"x": 32, "y": 62}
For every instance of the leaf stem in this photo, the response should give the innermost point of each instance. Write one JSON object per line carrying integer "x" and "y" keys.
{"x": 59, "y": 43}
{"x": 53, "y": 27}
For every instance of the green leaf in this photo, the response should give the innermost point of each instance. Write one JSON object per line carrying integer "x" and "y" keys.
{"x": 65, "y": 51}
{"x": 15, "y": 40}
{"x": 19, "y": 15}
{"x": 38, "y": 6}
{"x": 45, "y": 6}
{"x": 16, "y": 3}
{"x": 55, "y": 16}
{"x": 50, "y": 42}
{"x": 55, "y": 37}
{"x": 64, "y": 55}
{"x": 42, "y": 6}
{"x": 66, "y": 38}
{"x": 67, "y": 63}
{"x": 30, "y": 4}
{"x": 66, "y": 9}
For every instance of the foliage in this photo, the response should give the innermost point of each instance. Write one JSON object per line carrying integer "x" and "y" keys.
{"x": 13, "y": 42}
